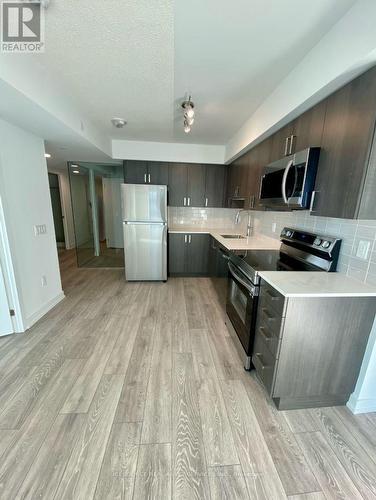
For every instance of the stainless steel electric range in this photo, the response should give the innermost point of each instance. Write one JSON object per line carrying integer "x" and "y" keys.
{"x": 299, "y": 251}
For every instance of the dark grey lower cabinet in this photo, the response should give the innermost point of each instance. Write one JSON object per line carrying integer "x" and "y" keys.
{"x": 308, "y": 350}
{"x": 218, "y": 270}
{"x": 188, "y": 254}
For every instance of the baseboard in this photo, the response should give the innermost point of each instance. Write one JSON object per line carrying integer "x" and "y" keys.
{"x": 361, "y": 405}
{"x": 31, "y": 320}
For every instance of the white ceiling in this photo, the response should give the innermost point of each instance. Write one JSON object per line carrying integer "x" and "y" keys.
{"x": 137, "y": 59}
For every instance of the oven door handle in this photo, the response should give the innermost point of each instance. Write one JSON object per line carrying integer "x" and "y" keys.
{"x": 284, "y": 180}
{"x": 251, "y": 289}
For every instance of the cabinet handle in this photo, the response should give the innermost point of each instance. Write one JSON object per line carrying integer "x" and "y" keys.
{"x": 206, "y": 202}
{"x": 273, "y": 297}
{"x": 190, "y": 239}
{"x": 258, "y": 357}
{"x": 185, "y": 201}
{"x": 264, "y": 334}
{"x": 292, "y": 138}
{"x": 189, "y": 201}
{"x": 286, "y": 145}
{"x": 185, "y": 238}
{"x": 149, "y": 178}
{"x": 269, "y": 317}
{"x": 145, "y": 178}
{"x": 313, "y": 196}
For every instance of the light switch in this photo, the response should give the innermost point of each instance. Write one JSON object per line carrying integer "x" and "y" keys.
{"x": 40, "y": 229}
{"x": 363, "y": 249}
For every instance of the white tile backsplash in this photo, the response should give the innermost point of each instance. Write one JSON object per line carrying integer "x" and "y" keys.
{"x": 352, "y": 232}
{"x": 202, "y": 217}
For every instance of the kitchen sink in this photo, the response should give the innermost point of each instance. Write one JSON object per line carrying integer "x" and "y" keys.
{"x": 233, "y": 236}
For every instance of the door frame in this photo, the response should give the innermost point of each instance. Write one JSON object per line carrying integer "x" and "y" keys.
{"x": 8, "y": 273}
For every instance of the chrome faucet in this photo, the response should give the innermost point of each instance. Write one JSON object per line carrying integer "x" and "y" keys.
{"x": 237, "y": 216}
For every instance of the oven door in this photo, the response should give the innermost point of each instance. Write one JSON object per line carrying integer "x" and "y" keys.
{"x": 241, "y": 306}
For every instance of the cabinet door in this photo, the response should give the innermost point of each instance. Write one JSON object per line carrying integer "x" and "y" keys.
{"x": 196, "y": 185}
{"x": 198, "y": 254}
{"x": 279, "y": 146}
{"x": 237, "y": 180}
{"x": 135, "y": 172}
{"x": 177, "y": 184}
{"x": 177, "y": 253}
{"x": 259, "y": 157}
{"x": 308, "y": 128}
{"x": 346, "y": 141}
{"x": 215, "y": 185}
{"x": 158, "y": 173}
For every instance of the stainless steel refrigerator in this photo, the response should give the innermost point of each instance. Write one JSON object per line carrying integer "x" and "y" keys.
{"x": 144, "y": 212}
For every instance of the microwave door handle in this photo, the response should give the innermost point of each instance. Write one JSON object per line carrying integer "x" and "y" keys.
{"x": 285, "y": 174}
{"x": 239, "y": 279}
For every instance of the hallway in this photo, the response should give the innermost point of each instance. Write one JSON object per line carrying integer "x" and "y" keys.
{"x": 134, "y": 390}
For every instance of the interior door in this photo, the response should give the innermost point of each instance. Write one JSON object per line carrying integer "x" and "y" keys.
{"x": 6, "y": 326}
{"x": 112, "y": 212}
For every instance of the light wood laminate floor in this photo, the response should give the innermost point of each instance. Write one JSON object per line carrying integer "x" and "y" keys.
{"x": 136, "y": 391}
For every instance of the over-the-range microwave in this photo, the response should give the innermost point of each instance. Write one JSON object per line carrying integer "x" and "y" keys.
{"x": 288, "y": 183}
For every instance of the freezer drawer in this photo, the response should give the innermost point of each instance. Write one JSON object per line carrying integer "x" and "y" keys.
{"x": 145, "y": 250}
{"x": 144, "y": 203}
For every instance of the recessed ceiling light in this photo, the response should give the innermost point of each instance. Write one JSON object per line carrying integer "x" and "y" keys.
{"x": 76, "y": 171}
{"x": 74, "y": 166}
{"x": 118, "y": 122}
{"x": 47, "y": 155}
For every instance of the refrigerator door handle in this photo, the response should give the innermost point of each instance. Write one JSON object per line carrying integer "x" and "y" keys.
{"x": 148, "y": 223}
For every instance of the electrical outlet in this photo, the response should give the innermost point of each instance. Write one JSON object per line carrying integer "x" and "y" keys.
{"x": 363, "y": 249}
{"x": 274, "y": 227}
{"x": 44, "y": 281}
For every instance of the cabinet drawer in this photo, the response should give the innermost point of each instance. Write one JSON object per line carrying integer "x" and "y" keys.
{"x": 270, "y": 318}
{"x": 264, "y": 363}
{"x": 271, "y": 338}
{"x": 270, "y": 298}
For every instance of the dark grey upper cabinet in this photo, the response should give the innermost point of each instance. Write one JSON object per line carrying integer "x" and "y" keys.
{"x": 281, "y": 144}
{"x": 308, "y": 128}
{"x": 215, "y": 180}
{"x": 135, "y": 172}
{"x": 158, "y": 173}
{"x": 196, "y": 185}
{"x": 177, "y": 184}
{"x": 346, "y": 143}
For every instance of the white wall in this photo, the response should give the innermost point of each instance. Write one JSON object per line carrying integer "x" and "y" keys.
{"x": 26, "y": 199}
{"x": 167, "y": 151}
{"x": 345, "y": 51}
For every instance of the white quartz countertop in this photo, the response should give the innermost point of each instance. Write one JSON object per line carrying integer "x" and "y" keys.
{"x": 316, "y": 284}
{"x": 248, "y": 243}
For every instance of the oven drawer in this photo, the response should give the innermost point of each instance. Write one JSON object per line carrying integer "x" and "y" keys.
{"x": 270, "y": 318}
{"x": 271, "y": 338}
{"x": 264, "y": 363}
{"x": 270, "y": 298}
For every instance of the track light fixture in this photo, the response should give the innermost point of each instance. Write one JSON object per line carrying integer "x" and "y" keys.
{"x": 189, "y": 113}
